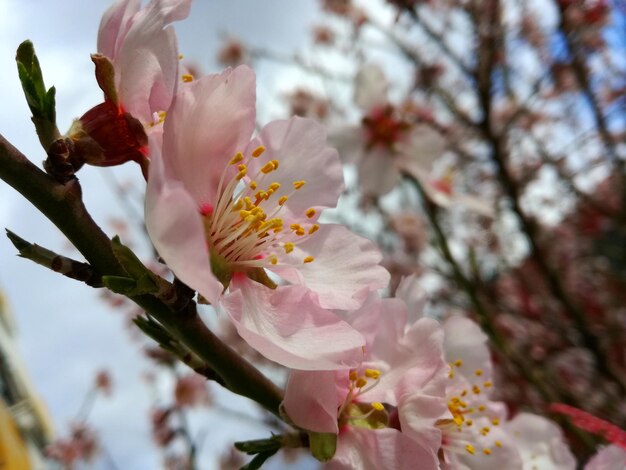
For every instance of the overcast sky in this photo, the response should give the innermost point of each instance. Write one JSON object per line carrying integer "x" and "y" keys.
{"x": 65, "y": 331}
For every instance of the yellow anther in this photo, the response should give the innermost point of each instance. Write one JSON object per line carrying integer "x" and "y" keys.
{"x": 378, "y": 406}
{"x": 268, "y": 167}
{"x": 300, "y": 232}
{"x": 478, "y": 372}
{"x": 314, "y": 228}
{"x": 309, "y": 259}
{"x": 236, "y": 159}
{"x": 372, "y": 373}
{"x": 282, "y": 200}
{"x": 484, "y": 431}
{"x": 495, "y": 421}
{"x": 274, "y": 164}
{"x": 260, "y": 195}
{"x": 298, "y": 184}
{"x": 295, "y": 226}
{"x": 451, "y": 374}
{"x": 487, "y": 451}
{"x": 481, "y": 408}
{"x": 180, "y": 57}
{"x": 310, "y": 213}
{"x": 187, "y": 77}
{"x": 476, "y": 389}
{"x": 353, "y": 375}
{"x": 458, "y": 363}
{"x": 469, "y": 422}
{"x": 488, "y": 384}
{"x": 288, "y": 247}
{"x": 498, "y": 444}
{"x": 257, "y": 152}
{"x": 361, "y": 382}
{"x": 244, "y": 213}
{"x": 470, "y": 449}
{"x": 243, "y": 171}
{"x": 273, "y": 259}
{"x": 458, "y": 419}
{"x": 274, "y": 186}
{"x": 463, "y": 393}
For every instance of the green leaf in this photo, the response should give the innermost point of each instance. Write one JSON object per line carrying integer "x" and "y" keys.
{"x": 41, "y": 102}
{"x": 259, "y": 445}
{"x": 258, "y": 460}
{"x": 323, "y": 445}
{"x": 120, "y": 285}
{"x": 129, "y": 260}
{"x": 130, "y": 287}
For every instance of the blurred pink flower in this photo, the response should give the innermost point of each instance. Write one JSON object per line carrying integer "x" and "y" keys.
{"x": 81, "y": 445}
{"x": 540, "y": 443}
{"x": 191, "y": 390}
{"x": 221, "y": 209}
{"x": 103, "y": 382}
{"x": 608, "y": 458}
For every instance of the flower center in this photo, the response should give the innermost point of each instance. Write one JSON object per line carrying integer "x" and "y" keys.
{"x": 383, "y": 127}
{"x": 362, "y": 414}
{"x": 469, "y": 428}
{"x": 244, "y": 229}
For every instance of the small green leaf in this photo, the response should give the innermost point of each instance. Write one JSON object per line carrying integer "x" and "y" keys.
{"x": 323, "y": 445}
{"x": 41, "y": 102}
{"x": 131, "y": 263}
{"x": 258, "y": 460}
{"x": 120, "y": 285}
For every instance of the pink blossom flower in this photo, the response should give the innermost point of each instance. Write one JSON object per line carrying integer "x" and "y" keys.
{"x": 385, "y": 137}
{"x": 221, "y": 209}
{"x": 384, "y": 410}
{"x": 473, "y": 437}
{"x": 191, "y": 390}
{"x": 144, "y": 53}
{"x": 142, "y": 49}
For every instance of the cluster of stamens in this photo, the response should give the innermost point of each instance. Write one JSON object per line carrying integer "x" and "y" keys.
{"x": 360, "y": 384}
{"x": 244, "y": 227}
{"x": 465, "y": 410}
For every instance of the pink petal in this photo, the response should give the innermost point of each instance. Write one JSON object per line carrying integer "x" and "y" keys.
{"x": 146, "y": 64}
{"x": 300, "y": 147}
{"x": 311, "y": 400}
{"x": 370, "y": 87}
{"x": 464, "y": 340}
{"x": 540, "y": 442}
{"x": 377, "y": 172}
{"x": 114, "y": 25}
{"x": 418, "y": 413}
{"x": 210, "y": 121}
{"x": 345, "y": 269}
{"x": 286, "y": 326}
{"x": 365, "y": 449}
{"x": 417, "y": 360}
{"x": 609, "y": 458}
{"x": 175, "y": 228}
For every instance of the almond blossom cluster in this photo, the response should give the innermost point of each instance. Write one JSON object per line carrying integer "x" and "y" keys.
{"x": 238, "y": 213}
{"x": 236, "y": 216}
